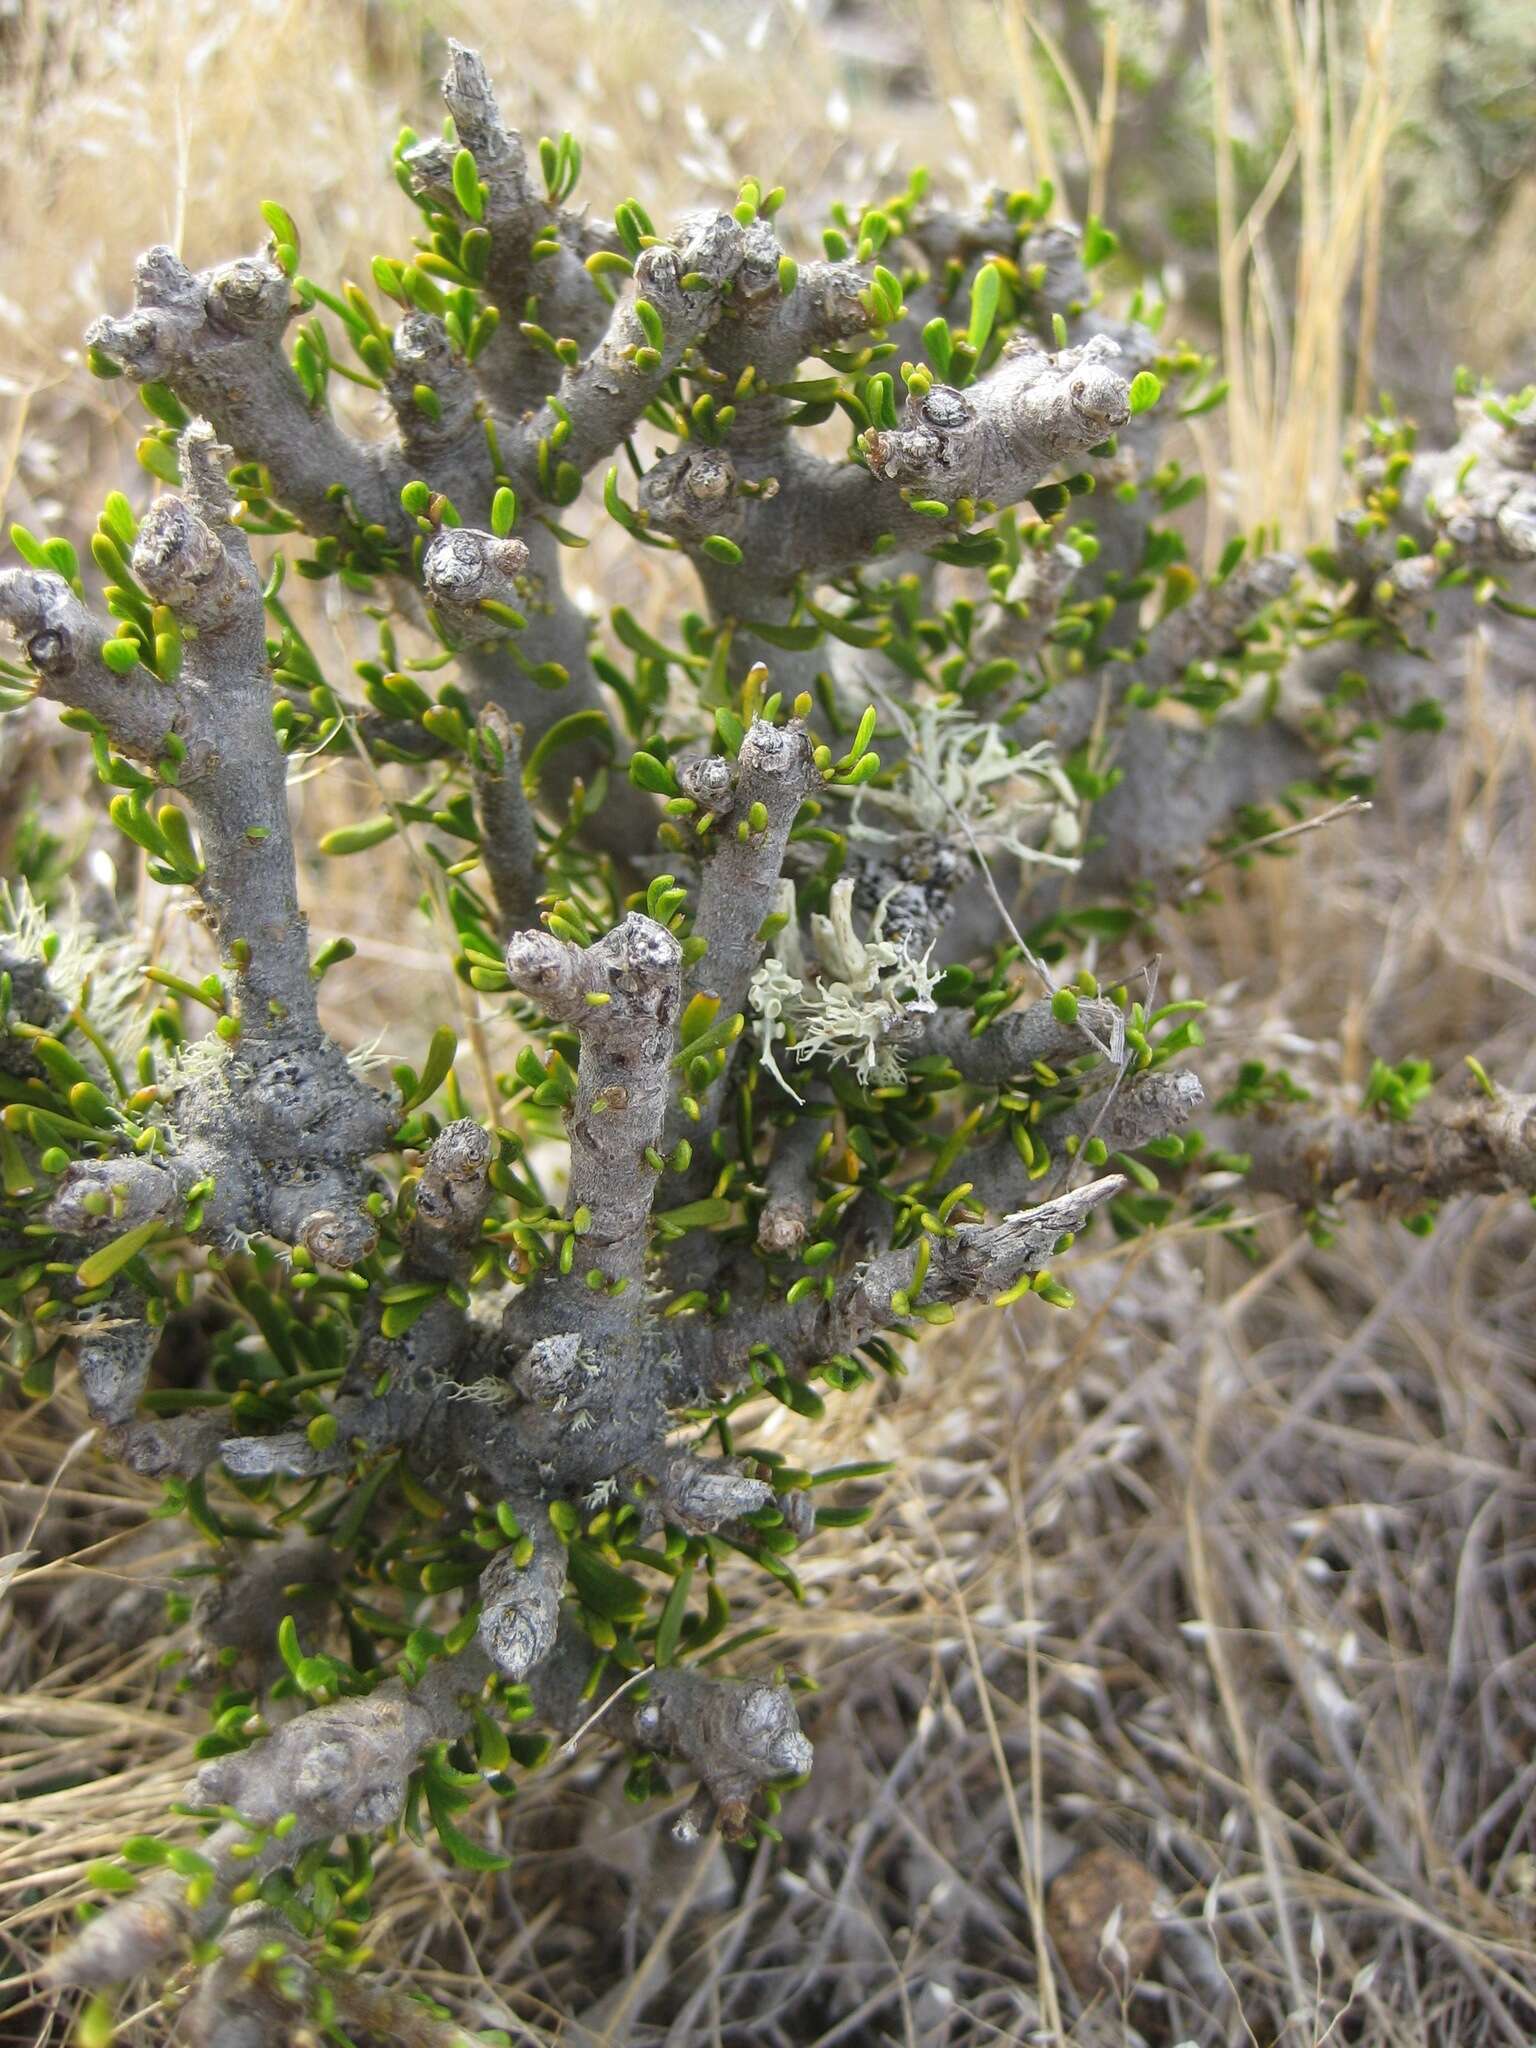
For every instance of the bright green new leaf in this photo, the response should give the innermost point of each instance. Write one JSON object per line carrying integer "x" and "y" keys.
{"x": 467, "y": 189}
{"x": 108, "y": 1259}
{"x": 985, "y": 294}
{"x": 359, "y": 838}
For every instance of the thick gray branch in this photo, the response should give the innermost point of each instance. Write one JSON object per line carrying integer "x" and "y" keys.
{"x": 791, "y": 512}
{"x": 464, "y": 570}
{"x": 279, "y": 1122}
{"x": 604, "y": 396}
{"x": 215, "y": 337}
{"x": 1481, "y": 1146}
{"x": 1145, "y": 1107}
{"x": 339, "y": 1769}
{"x": 509, "y": 840}
{"x": 623, "y": 996}
{"x": 452, "y": 1197}
{"x": 975, "y": 1263}
{"x": 1002, "y": 436}
{"x": 515, "y": 373}
{"x": 790, "y": 1181}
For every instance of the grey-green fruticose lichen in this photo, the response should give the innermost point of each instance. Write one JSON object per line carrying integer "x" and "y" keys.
{"x": 749, "y": 882}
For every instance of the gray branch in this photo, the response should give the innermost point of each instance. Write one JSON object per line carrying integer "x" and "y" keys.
{"x": 514, "y": 373}
{"x": 1145, "y": 1107}
{"x": 1010, "y": 1045}
{"x": 340, "y": 1769}
{"x": 743, "y": 861}
{"x": 215, "y": 337}
{"x": 509, "y": 839}
{"x": 280, "y": 1123}
{"x": 463, "y": 570}
{"x": 452, "y": 1197}
{"x": 63, "y": 642}
{"x": 790, "y": 1181}
{"x": 1481, "y": 1146}
{"x": 604, "y": 396}
{"x": 623, "y": 996}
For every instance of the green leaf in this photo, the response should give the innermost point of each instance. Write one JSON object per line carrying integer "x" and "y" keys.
{"x": 1099, "y": 243}
{"x": 573, "y": 730}
{"x": 493, "y": 1752}
{"x": 834, "y": 1473}
{"x": 939, "y": 343}
{"x": 281, "y": 222}
{"x": 599, "y": 1586}
{"x": 117, "y": 519}
{"x": 467, "y": 1854}
{"x": 359, "y": 838}
{"x": 1146, "y": 390}
{"x": 794, "y": 639}
{"x": 288, "y": 1644}
{"x": 159, "y": 460}
{"x": 29, "y": 547}
{"x": 111, "y": 1258}
{"x": 145, "y": 1849}
{"x": 503, "y": 512}
{"x": 703, "y": 1214}
{"x": 177, "y": 834}
{"x": 467, "y": 188}
{"x": 670, "y": 1628}
{"x": 96, "y": 2028}
{"x": 436, "y": 1067}
{"x": 120, "y": 655}
{"x": 650, "y": 321}
{"x": 720, "y": 548}
{"x": 985, "y": 293}
{"x": 646, "y": 772}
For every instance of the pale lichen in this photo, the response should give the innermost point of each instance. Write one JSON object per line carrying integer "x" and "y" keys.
{"x": 964, "y": 776}
{"x": 854, "y": 1005}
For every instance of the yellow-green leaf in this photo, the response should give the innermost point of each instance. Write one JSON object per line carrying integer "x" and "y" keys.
{"x": 111, "y": 1258}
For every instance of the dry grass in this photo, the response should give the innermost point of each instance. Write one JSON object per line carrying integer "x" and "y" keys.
{"x": 1232, "y": 1569}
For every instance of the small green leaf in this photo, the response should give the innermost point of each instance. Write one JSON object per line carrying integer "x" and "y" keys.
{"x": 599, "y": 1586}
{"x": 288, "y": 1643}
{"x": 1099, "y": 243}
{"x": 646, "y": 772}
{"x": 359, "y": 838}
{"x": 670, "y": 1628}
{"x": 576, "y": 729}
{"x": 650, "y": 321}
{"x": 177, "y": 834}
{"x": 467, "y": 1854}
{"x": 96, "y": 2028}
{"x": 120, "y": 655}
{"x": 467, "y": 189}
{"x": 1146, "y": 390}
{"x": 703, "y": 1214}
{"x": 111, "y": 1258}
{"x": 436, "y": 1067}
{"x": 985, "y": 293}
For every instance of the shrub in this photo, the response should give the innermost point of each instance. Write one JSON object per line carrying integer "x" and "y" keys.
{"x": 750, "y": 881}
